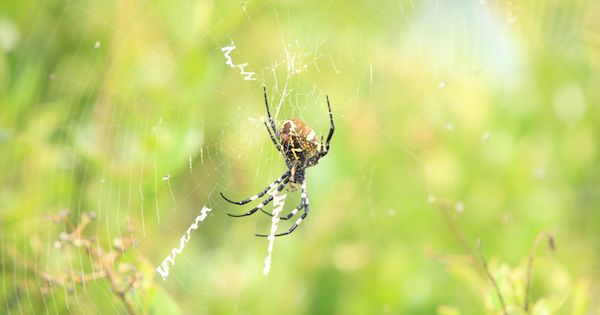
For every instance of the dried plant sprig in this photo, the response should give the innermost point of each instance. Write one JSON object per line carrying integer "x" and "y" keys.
{"x": 537, "y": 241}
{"x": 123, "y": 279}
{"x": 485, "y": 267}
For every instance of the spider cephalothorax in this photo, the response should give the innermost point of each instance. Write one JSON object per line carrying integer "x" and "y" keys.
{"x": 300, "y": 148}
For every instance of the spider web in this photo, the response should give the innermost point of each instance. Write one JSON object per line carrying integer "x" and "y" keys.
{"x": 121, "y": 121}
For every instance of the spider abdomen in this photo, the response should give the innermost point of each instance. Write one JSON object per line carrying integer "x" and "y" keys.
{"x": 298, "y": 141}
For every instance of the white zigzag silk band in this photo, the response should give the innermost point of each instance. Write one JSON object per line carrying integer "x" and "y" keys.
{"x": 278, "y": 203}
{"x": 229, "y": 62}
{"x": 163, "y": 269}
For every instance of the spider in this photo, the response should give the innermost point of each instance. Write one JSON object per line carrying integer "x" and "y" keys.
{"x": 300, "y": 149}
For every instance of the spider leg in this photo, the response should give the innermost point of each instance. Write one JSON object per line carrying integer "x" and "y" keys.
{"x": 260, "y": 194}
{"x": 274, "y": 135}
{"x": 324, "y": 152}
{"x": 269, "y": 113}
{"x": 293, "y": 213}
{"x": 293, "y": 187}
{"x": 273, "y": 139}
{"x": 304, "y": 204}
{"x": 264, "y": 203}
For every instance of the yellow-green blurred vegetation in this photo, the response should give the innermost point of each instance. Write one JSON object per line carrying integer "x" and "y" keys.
{"x": 455, "y": 121}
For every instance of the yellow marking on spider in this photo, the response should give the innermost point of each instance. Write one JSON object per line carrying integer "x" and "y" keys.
{"x": 293, "y": 150}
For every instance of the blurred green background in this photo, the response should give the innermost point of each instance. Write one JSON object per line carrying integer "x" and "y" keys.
{"x": 455, "y": 121}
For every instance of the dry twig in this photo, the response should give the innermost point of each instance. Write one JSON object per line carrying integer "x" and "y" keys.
{"x": 484, "y": 263}
{"x": 530, "y": 264}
